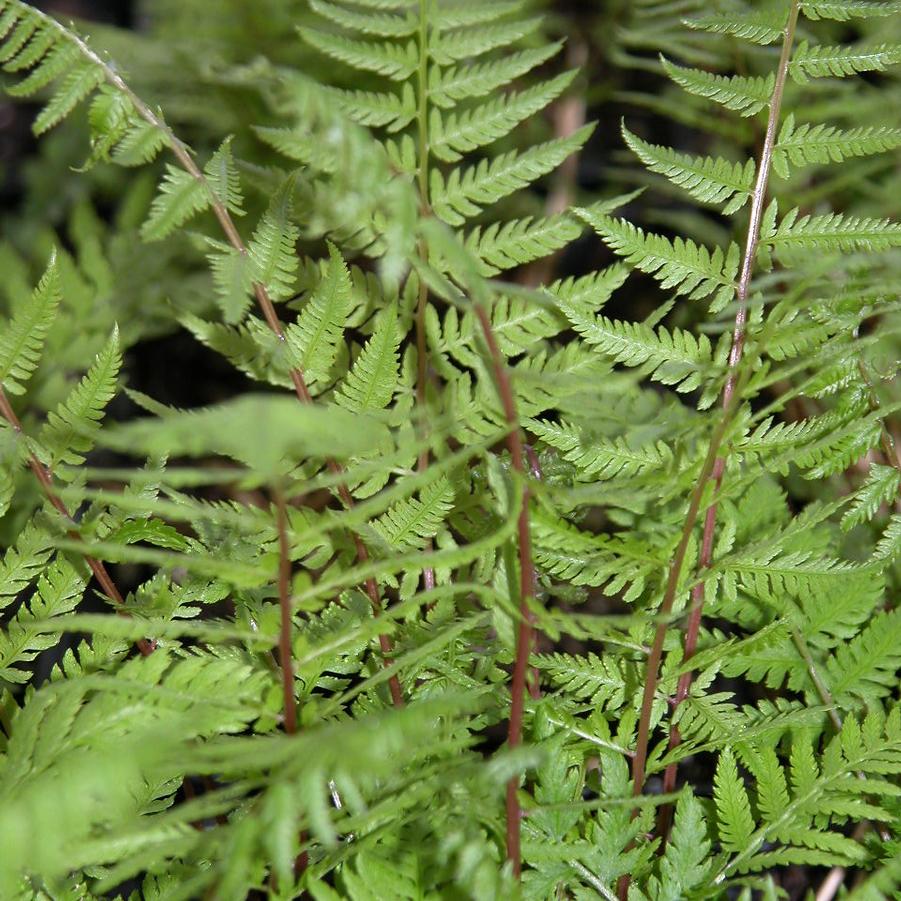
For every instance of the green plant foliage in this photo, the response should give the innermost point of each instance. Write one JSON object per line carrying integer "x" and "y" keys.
{"x": 498, "y": 496}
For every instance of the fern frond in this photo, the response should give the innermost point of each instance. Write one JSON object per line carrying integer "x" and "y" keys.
{"x": 805, "y": 144}
{"x": 23, "y": 561}
{"x": 867, "y": 666}
{"x": 141, "y": 144}
{"x": 222, "y": 178}
{"x": 824, "y": 61}
{"x": 59, "y": 591}
{"x": 379, "y": 109}
{"x": 22, "y": 340}
{"x": 469, "y": 42}
{"x": 36, "y": 43}
{"x": 704, "y": 178}
{"x": 601, "y": 681}
{"x": 708, "y": 716}
{"x": 272, "y": 251}
{"x": 465, "y": 192}
{"x": 232, "y": 277}
{"x": 395, "y": 61}
{"x": 601, "y": 458}
{"x": 69, "y": 431}
{"x": 685, "y": 863}
{"x": 832, "y": 231}
{"x": 735, "y": 825}
{"x": 566, "y": 552}
{"x": 504, "y": 245}
{"x": 880, "y": 487}
{"x": 463, "y": 15}
{"x": 888, "y": 547}
{"x": 843, "y": 10}
{"x": 383, "y": 24}
{"x": 449, "y": 86}
{"x": 252, "y": 348}
{"x": 747, "y": 95}
{"x": 589, "y": 292}
{"x": 373, "y": 378}
{"x": 453, "y": 134}
{"x": 412, "y": 522}
{"x": 673, "y": 357}
{"x": 313, "y": 340}
{"x": 764, "y": 26}
{"x": 181, "y": 197}
{"x": 680, "y": 265}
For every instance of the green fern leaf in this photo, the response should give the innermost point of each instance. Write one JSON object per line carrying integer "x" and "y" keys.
{"x": 222, "y": 177}
{"x": 880, "y": 487}
{"x": 395, "y": 61}
{"x": 803, "y": 145}
{"x": 141, "y": 144}
{"x": 831, "y": 231}
{"x": 232, "y": 276}
{"x": 769, "y": 776}
{"x": 466, "y": 43}
{"x": 444, "y": 17}
{"x": 685, "y": 863}
{"x": 888, "y": 548}
{"x": 466, "y": 191}
{"x": 181, "y": 196}
{"x": 313, "y": 340}
{"x": 735, "y": 824}
{"x": 566, "y": 552}
{"x": 23, "y": 562}
{"x": 59, "y": 591}
{"x": 373, "y": 378}
{"x": 110, "y": 116}
{"x": 704, "y": 178}
{"x": 764, "y": 26}
{"x": 838, "y": 61}
{"x": 745, "y": 94}
{"x": 601, "y": 458}
{"x": 60, "y": 59}
{"x": 504, "y": 245}
{"x": 272, "y": 249}
{"x": 251, "y": 347}
{"x": 867, "y": 666}
{"x": 22, "y": 339}
{"x": 843, "y": 10}
{"x": 589, "y": 292}
{"x": 681, "y": 265}
{"x": 70, "y": 91}
{"x": 449, "y": 86}
{"x": 674, "y": 357}
{"x": 453, "y": 134}
{"x": 69, "y": 431}
{"x": 18, "y": 28}
{"x": 384, "y": 109}
{"x": 601, "y": 681}
{"x": 411, "y": 522}
{"x": 387, "y": 25}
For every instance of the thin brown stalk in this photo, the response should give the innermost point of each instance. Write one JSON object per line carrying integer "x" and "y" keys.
{"x": 183, "y": 155}
{"x": 714, "y": 465}
{"x": 45, "y": 479}
{"x": 526, "y": 583}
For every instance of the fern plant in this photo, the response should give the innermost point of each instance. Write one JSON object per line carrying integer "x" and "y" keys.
{"x": 473, "y": 586}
